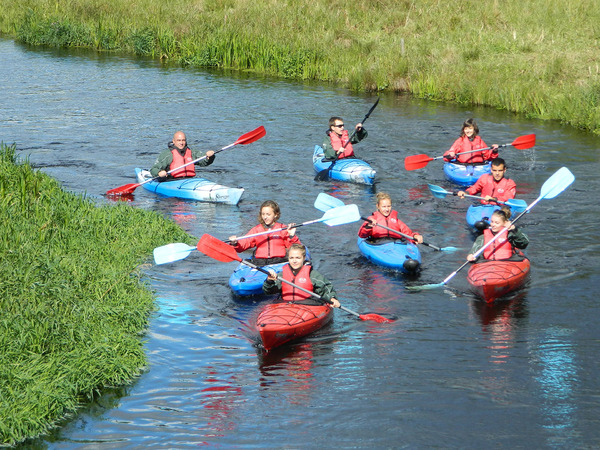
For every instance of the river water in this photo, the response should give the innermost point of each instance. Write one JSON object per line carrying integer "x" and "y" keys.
{"x": 451, "y": 372}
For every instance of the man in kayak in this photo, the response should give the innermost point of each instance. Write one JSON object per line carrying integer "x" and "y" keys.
{"x": 336, "y": 145}
{"x": 469, "y": 140}
{"x": 494, "y": 186}
{"x": 176, "y": 156}
{"x": 505, "y": 246}
{"x": 301, "y": 273}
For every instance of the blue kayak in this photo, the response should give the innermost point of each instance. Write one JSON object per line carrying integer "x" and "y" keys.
{"x": 198, "y": 189}
{"x": 479, "y": 212}
{"x": 395, "y": 254}
{"x": 353, "y": 170}
{"x": 248, "y": 281}
{"x": 478, "y": 216}
{"x": 465, "y": 174}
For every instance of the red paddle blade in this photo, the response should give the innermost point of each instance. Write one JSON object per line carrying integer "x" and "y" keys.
{"x": 251, "y": 136}
{"x": 524, "y": 142}
{"x": 375, "y": 318}
{"x": 416, "y": 161}
{"x": 216, "y": 249}
{"x": 123, "y": 190}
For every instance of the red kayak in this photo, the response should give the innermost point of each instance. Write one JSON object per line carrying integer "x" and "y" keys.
{"x": 279, "y": 323}
{"x": 493, "y": 279}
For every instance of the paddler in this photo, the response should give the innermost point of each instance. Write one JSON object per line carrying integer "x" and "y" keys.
{"x": 337, "y": 136}
{"x": 176, "y": 155}
{"x": 301, "y": 273}
{"x": 269, "y": 248}
{"x": 493, "y": 186}
{"x": 387, "y": 217}
{"x": 469, "y": 140}
{"x": 506, "y": 245}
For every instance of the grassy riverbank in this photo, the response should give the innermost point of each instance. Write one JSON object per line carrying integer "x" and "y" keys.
{"x": 73, "y": 307}
{"x": 535, "y": 57}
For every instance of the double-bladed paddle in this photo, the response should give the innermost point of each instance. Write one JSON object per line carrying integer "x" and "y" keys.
{"x": 516, "y": 204}
{"x": 337, "y": 216}
{"x": 415, "y": 162}
{"x": 219, "y": 250}
{"x": 324, "y": 174}
{"x": 244, "y": 139}
{"x": 557, "y": 183}
{"x": 326, "y": 201}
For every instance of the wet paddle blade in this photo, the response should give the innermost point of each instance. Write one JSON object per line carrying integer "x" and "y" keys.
{"x": 417, "y": 161}
{"x": 425, "y": 287}
{"x": 557, "y": 183}
{"x": 251, "y": 136}
{"x": 216, "y": 249}
{"x": 375, "y": 318}
{"x": 449, "y": 249}
{"x": 438, "y": 192}
{"x": 341, "y": 215}
{"x": 172, "y": 252}
{"x": 123, "y": 190}
{"x": 325, "y": 202}
{"x": 524, "y": 142}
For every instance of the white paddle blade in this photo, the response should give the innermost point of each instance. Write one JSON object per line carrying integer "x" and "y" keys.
{"x": 341, "y": 215}
{"x": 557, "y": 183}
{"x": 325, "y": 202}
{"x": 171, "y": 252}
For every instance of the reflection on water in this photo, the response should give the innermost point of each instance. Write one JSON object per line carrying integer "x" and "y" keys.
{"x": 558, "y": 378}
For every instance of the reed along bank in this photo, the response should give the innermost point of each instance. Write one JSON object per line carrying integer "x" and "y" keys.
{"x": 539, "y": 58}
{"x": 74, "y": 306}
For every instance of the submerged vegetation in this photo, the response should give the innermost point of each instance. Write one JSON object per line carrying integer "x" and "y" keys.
{"x": 73, "y": 305}
{"x": 538, "y": 57}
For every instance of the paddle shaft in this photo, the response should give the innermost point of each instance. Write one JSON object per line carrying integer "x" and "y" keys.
{"x": 402, "y": 234}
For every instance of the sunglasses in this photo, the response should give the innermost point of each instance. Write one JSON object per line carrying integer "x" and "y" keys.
{"x": 339, "y": 125}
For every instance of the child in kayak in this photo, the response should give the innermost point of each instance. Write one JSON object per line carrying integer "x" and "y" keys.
{"x": 269, "y": 248}
{"x": 387, "y": 217}
{"x": 337, "y": 136}
{"x": 493, "y": 186}
{"x": 468, "y": 141}
{"x": 301, "y": 273}
{"x": 506, "y": 245}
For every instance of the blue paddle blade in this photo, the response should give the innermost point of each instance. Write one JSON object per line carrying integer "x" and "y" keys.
{"x": 325, "y": 202}
{"x": 557, "y": 183}
{"x": 425, "y": 287}
{"x": 341, "y": 215}
{"x": 438, "y": 192}
{"x": 449, "y": 249}
{"x": 172, "y": 252}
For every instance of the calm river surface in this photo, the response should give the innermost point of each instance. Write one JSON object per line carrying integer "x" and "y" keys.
{"x": 451, "y": 372}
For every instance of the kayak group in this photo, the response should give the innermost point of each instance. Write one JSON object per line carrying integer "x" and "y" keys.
{"x": 280, "y": 263}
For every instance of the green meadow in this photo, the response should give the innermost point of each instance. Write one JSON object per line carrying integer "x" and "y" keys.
{"x": 539, "y": 58}
{"x": 74, "y": 306}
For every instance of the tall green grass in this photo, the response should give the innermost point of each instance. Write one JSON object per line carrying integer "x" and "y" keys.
{"x": 535, "y": 57}
{"x": 73, "y": 308}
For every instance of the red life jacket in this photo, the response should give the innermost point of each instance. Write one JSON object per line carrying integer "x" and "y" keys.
{"x": 464, "y": 144}
{"x": 503, "y": 190}
{"x": 178, "y": 161}
{"x": 290, "y": 293}
{"x": 338, "y": 142}
{"x": 500, "y": 249}
{"x": 273, "y": 245}
{"x": 390, "y": 221}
